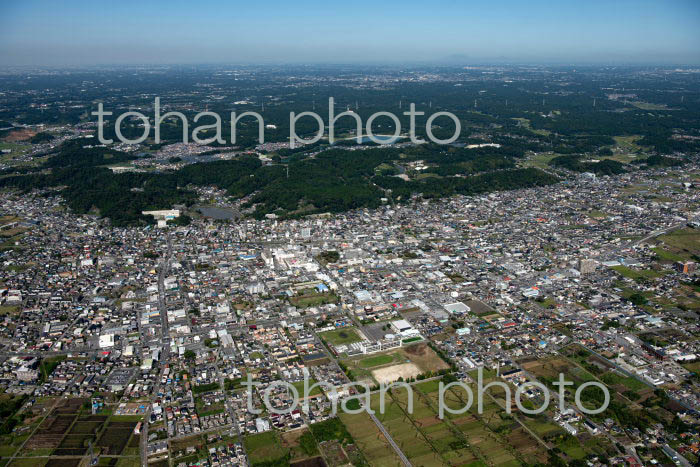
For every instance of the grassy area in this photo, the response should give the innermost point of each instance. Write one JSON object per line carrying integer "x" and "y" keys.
{"x": 682, "y": 243}
{"x": 198, "y": 389}
{"x": 377, "y": 360}
{"x": 526, "y": 123}
{"x": 342, "y": 336}
{"x": 649, "y": 106}
{"x": 666, "y": 255}
{"x": 540, "y": 160}
{"x": 17, "y": 149}
{"x": 313, "y": 299}
{"x": 299, "y": 386}
{"x": 266, "y": 448}
{"x": 613, "y": 379}
{"x": 636, "y": 274}
{"x": 9, "y": 309}
{"x": 48, "y": 365}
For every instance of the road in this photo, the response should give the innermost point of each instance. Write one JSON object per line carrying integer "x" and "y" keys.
{"x": 229, "y": 408}
{"x": 165, "y": 351}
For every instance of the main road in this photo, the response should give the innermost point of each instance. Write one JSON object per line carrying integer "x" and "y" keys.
{"x": 165, "y": 351}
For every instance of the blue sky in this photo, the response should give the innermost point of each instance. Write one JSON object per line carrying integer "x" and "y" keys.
{"x": 272, "y": 31}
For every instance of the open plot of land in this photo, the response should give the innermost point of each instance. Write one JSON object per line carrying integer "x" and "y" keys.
{"x": 181, "y": 444}
{"x": 548, "y": 370}
{"x": 369, "y": 439}
{"x": 313, "y": 391}
{"x": 334, "y": 452}
{"x": 479, "y": 308}
{"x": 313, "y": 299}
{"x": 360, "y": 368}
{"x": 636, "y": 274}
{"x": 394, "y": 372}
{"x": 342, "y": 336}
{"x": 300, "y": 443}
{"x": 424, "y": 357}
{"x": 265, "y": 447}
{"x": 681, "y": 243}
{"x": 115, "y": 436}
{"x": 378, "y": 360}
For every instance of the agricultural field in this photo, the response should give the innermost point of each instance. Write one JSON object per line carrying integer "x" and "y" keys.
{"x": 336, "y": 443}
{"x": 459, "y": 439}
{"x": 494, "y": 436}
{"x": 115, "y": 436}
{"x": 68, "y": 431}
{"x": 404, "y": 431}
{"x": 369, "y": 440}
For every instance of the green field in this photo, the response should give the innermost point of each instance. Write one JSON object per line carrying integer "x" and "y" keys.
{"x": 313, "y": 299}
{"x": 265, "y": 447}
{"x": 666, "y": 255}
{"x": 299, "y": 386}
{"x": 342, "y": 336}
{"x": 682, "y": 243}
{"x": 377, "y": 360}
{"x": 635, "y": 274}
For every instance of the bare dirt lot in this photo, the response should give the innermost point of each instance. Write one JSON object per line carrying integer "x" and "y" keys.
{"x": 424, "y": 357}
{"x": 394, "y": 372}
{"x": 19, "y": 135}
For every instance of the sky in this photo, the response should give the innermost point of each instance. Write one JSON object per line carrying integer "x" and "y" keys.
{"x": 80, "y": 33}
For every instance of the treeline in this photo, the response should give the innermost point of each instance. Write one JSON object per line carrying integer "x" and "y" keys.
{"x": 472, "y": 185}
{"x": 334, "y": 180}
{"x": 574, "y": 163}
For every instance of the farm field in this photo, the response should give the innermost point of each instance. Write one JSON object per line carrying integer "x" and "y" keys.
{"x": 459, "y": 439}
{"x": 369, "y": 440}
{"x": 70, "y": 428}
{"x": 493, "y": 436}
